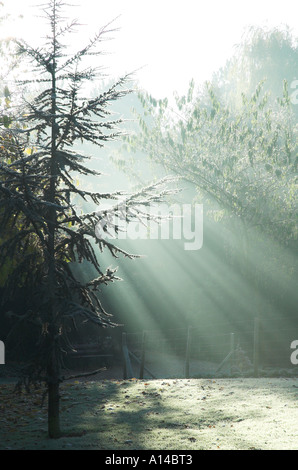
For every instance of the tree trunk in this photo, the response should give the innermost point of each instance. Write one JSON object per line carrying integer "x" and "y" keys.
{"x": 53, "y": 368}
{"x": 53, "y": 382}
{"x": 53, "y": 410}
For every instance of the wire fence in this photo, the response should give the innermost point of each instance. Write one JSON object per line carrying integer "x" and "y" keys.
{"x": 249, "y": 348}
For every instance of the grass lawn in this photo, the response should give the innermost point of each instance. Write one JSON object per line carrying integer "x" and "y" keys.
{"x": 166, "y": 414}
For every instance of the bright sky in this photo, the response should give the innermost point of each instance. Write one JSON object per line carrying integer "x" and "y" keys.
{"x": 170, "y": 41}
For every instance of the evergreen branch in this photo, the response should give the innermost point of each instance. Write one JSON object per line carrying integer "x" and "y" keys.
{"x": 87, "y": 49}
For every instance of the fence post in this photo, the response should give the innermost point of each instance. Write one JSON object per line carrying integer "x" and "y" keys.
{"x": 123, "y": 355}
{"x": 127, "y": 369}
{"x": 232, "y": 350}
{"x": 142, "y": 356}
{"x": 256, "y": 346}
{"x": 163, "y": 349}
{"x": 187, "y": 353}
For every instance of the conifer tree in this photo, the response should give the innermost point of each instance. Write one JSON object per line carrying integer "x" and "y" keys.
{"x": 37, "y": 189}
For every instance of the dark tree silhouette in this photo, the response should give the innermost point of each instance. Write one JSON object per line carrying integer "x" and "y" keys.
{"x": 46, "y": 229}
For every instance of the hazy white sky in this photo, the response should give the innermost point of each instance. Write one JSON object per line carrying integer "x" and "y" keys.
{"x": 172, "y": 40}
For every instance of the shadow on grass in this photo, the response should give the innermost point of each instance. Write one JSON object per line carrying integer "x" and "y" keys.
{"x": 138, "y": 418}
{"x": 140, "y": 415}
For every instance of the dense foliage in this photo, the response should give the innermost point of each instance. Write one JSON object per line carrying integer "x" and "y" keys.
{"x": 244, "y": 162}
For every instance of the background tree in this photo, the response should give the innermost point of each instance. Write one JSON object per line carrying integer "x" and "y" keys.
{"x": 244, "y": 163}
{"x": 239, "y": 153}
{"x": 37, "y": 190}
{"x": 245, "y": 110}
{"x": 264, "y": 55}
